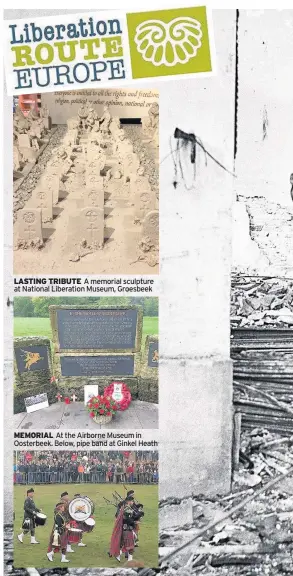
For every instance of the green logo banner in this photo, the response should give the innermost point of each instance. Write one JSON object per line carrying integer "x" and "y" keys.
{"x": 169, "y": 42}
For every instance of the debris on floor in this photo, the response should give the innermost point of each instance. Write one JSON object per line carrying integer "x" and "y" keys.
{"x": 248, "y": 532}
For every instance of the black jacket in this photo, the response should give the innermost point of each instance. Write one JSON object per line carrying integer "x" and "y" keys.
{"x": 30, "y": 508}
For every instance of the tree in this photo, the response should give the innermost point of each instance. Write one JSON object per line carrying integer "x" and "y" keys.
{"x": 23, "y": 307}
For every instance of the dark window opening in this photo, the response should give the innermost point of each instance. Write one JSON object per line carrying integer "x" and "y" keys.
{"x": 130, "y": 120}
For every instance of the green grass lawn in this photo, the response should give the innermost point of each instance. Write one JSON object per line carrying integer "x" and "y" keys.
{"x": 95, "y": 555}
{"x": 42, "y": 327}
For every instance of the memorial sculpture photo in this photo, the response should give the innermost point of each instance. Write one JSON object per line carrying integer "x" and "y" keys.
{"x": 96, "y": 359}
{"x": 85, "y": 509}
{"x": 86, "y": 183}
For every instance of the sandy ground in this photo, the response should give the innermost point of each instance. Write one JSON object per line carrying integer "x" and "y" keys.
{"x": 120, "y": 252}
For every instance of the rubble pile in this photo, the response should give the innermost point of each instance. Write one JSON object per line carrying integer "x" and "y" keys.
{"x": 248, "y": 532}
{"x": 261, "y": 302}
{"x": 262, "y": 352}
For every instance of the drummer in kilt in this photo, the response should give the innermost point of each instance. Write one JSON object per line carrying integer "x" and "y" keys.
{"x": 66, "y": 500}
{"x": 122, "y": 539}
{"x": 76, "y": 538}
{"x": 59, "y": 535}
{"x": 29, "y": 518}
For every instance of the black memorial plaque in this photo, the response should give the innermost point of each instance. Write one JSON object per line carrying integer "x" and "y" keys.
{"x": 31, "y": 358}
{"x": 153, "y": 355}
{"x": 97, "y": 365}
{"x": 97, "y": 329}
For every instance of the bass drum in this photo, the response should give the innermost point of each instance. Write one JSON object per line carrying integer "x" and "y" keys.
{"x": 74, "y": 533}
{"x": 89, "y": 525}
{"x": 91, "y": 503}
{"x": 80, "y": 509}
{"x": 40, "y": 519}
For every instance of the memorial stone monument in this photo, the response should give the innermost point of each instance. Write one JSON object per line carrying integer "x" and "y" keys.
{"x": 96, "y": 345}
{"x": 32, "y": 370}
{"x": 148, "y": 385}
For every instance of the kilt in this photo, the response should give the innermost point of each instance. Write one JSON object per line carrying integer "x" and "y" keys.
{"x": 62, "y": 541}
{"x": 28, "y": 523}
{"x": 127, "y": 540}
{"x": 74, "y": 537}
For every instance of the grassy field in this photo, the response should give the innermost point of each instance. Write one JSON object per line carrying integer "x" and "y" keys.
{"x": 42, "y": 326}
{"x": 96, "y": 552}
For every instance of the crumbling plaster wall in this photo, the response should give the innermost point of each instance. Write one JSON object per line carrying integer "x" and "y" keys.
{"x": 195, "y": 242}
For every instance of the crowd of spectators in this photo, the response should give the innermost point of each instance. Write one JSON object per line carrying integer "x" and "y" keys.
{"x": 85, "y": 467}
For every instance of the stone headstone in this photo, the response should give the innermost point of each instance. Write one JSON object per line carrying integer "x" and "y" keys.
{"x": 95, "y": 162}
{"x": 123, "y": 147}
{"x": 30, "y": 225}
{"x": 94, "y": 196}
{"x": 24, "y": 141}
{"x": 47, "y": 123}
{"x": 92, "y": 226}
{"x": 43, "y": 198}
{"x": 150, "y": 227}
{"x": 29, "y": 154}
{"x": 131, "y": 164}
{"x": 145, "y": 198}
{"x": 94, "y": 180}
{"x": 67, "y": 164}
{"x": 51, "y": 181}
{"x": 70, "y": 138}
{"x": 55, "y": 167}
{"x": 118, "y": 188}
{"x": 16, "y": 158}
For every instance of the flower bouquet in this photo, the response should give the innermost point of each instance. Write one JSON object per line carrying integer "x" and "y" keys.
{"x": 125, "y": 393}
{"x": 102, "y": 408}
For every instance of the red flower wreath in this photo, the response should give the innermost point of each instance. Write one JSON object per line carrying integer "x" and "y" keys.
{"x": 124, "y": 403}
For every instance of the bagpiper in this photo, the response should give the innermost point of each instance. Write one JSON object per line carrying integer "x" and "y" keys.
{"x": 29, "y": 522}
{"x": 138, "y": 514}
{"x": 59, "y": 535}
{"x": 122, "y": 502}
{"x": 122, "y": 539}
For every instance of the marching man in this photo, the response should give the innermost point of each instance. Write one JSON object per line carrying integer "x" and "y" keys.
{"x": 29, "y": 523}
{"x": 138, "y": 514}
{"x": 75, "y": 537}
{"x": 59, "y": 535}
{"x": 66, "y": 500}
{"x": 122, "y": 539}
